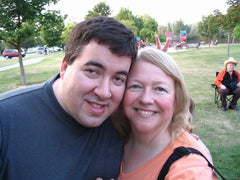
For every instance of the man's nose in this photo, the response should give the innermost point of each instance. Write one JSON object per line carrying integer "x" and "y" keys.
{"x": 103, "y": 89}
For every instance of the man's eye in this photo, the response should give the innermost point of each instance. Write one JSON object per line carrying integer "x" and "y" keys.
{"x": 119, "y": 81}
{"x": 91, "y": 73}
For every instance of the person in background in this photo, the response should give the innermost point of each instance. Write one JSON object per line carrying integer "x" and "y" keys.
{"x": 156, "y": 121}
{"x": 228, "y": 82}
{"x": 62, "y": 129}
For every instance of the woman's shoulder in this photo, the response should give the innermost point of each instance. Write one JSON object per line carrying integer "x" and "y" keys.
{"x": 187, "y": 139}
{"x": 191, "y": 166}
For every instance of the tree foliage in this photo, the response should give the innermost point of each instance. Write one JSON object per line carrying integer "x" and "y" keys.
{"x": 207, "y": 28}
{"x": 52, "y": 28}
{"x": 233, "y": 2}
{"x": 236, "y": 31}
{"x": 150, "y": 28}
{"x": 178, "y": 26}
{"x": 125, "y": 14}
{"x": 18, "y": 22}
{"x": 126, "y": 17}
{"x": 101, "y": 9}
{"x": 67, "y": 32}
{"x": 228, "y": 21}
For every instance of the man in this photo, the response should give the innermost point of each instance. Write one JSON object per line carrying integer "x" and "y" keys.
{"x": 228, "y": 82}
{"x": 61, "y": 129}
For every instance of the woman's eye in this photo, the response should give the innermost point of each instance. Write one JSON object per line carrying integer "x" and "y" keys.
{"x": 134, "y": 86}
{"x": 161, "y": 90}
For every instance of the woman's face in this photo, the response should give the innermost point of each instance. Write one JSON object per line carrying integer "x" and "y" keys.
{"x": 149, "y": 98}
{"x": 230, "y": 67}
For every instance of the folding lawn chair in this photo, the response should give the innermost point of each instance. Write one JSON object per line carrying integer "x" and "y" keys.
{"x": 217, "y": 100}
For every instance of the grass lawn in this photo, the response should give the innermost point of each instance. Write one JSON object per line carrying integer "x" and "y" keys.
{"x": 220, "y": 131}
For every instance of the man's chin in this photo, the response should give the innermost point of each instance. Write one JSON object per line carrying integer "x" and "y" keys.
{"x": 90, "y": 123}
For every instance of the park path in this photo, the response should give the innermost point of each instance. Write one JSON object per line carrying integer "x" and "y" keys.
{"x": 25, "y": 63}
{"x": 36, "y": 60}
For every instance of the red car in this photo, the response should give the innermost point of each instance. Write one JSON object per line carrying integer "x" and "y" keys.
{"x": 9, "y": 53}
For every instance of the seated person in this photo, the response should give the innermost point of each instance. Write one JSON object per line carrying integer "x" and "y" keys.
{"x": 228, "y": 82}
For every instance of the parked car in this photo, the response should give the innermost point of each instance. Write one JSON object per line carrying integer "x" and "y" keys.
{"x": 9, "y": 53}
{"x": 202, "y": 43}
{"x": 40, "y": 50}
{"x": 57, "y": 49}
{"x": 180, "y": 45}
{"x": 195, "y": 45}
{"x": 45, "y": 50}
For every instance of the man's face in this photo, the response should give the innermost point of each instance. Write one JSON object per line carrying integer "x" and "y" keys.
{"x": 92, "y": 87}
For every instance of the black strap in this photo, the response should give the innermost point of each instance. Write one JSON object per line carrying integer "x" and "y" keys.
{"x": 177, "y": 154}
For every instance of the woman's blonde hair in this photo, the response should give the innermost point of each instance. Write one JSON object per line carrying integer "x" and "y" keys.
{"x": 180, "y": 120}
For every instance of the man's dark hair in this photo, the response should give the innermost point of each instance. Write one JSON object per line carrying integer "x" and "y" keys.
{"x": 104, "y": 30}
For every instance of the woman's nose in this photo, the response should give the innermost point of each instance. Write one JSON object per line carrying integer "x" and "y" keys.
{"x": 146, "y": 97}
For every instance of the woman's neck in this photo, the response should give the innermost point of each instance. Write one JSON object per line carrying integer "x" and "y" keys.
{"x": 143, "y": 147}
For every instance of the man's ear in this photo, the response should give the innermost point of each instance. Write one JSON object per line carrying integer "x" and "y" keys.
{"x": 63, "y": 68}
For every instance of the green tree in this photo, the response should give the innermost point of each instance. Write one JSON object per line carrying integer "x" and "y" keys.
{"x": 130, "y": 24}
{"x": 192, "y": 36}
{"x": 139, "y": 24}
{"x": 202, "y": 29}
{"x": 162, "y": 31}
{"x": 233, "y": 2}
{"x": 125, "y": 14}
{"x": 126, "y": 17}
{"x": 178, "y": 26}
{"x": 67, "y": 32}
{"x": 213, "y": 25}
{"x": 229, "y": 21}
{"x": 18, "y": 17}
{"x": 150, "y": 28}
{"x": 101, "y": 9}
{"x": 236, "y": 31}
{"x": 52, "y": 28}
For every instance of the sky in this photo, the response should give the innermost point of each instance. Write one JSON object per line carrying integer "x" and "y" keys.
{"x": 164, "y": 12}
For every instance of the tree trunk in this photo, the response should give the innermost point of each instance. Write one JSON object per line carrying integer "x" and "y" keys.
{"x": 228, "y": 44}
{"x": 23, "y": 76}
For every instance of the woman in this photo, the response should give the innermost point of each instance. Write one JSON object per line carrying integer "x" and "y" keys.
{"x": 156, "y": 105}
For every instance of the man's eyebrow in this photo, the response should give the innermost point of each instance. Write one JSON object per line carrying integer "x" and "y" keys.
{"x": 125, "y": 73}
{"x": 97, "y": 64}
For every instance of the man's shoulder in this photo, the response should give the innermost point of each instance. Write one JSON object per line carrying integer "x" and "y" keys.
{"x": 26, "y": 90}
{"x": 19, "y": 91}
